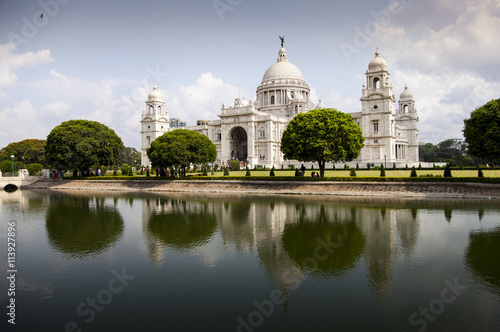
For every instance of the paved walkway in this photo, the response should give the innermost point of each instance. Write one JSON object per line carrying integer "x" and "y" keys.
{"x": 393, "y": 189}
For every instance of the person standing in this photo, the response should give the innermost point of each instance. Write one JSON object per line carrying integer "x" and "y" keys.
{"x": 303, "y": 170}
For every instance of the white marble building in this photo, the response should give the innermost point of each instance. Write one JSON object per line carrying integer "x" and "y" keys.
{"x": 252, "y": 130}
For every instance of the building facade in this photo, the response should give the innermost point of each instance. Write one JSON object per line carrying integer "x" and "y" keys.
{"x": 251, "y": 131}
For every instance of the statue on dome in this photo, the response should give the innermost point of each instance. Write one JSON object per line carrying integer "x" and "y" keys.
{"x": 282, "y": 38}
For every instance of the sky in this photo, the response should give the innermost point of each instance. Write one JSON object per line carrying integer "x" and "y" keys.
{"x": 98, "y": 60}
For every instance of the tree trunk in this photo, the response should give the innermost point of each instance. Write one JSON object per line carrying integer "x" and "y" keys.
{"x": 322, "y": 168}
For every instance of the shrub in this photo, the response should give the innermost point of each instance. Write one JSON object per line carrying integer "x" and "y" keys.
{"x": 419, "y": 165}
{"x": 480, "y": 173}
{"x": 352, "y": 173}
{"x": 376, "y": 168}
{"x": 333, "y": 167}
{"x": 130, "y": 172}
{"x": 413, "y": 173}
{"x": 368, "y": 166}
{"x": 115, "y": 172}
{"x": 226, "y": 171}
{"x": 357, "y": 166}
{"x": 406, "y": 166}
{"x": 205, "y": 170}
{"x": 394, "y": 166}
{"x": 235, "y": 165}
{"x": 125, "y": 169}
{"x": 147, "y": 172}
{"x": 272, "y": 172}
{"x": 34, "y": 169}
{"x": 382, "y": 171}
{"x": 447, "y": 171}
{"x": 248, "y": 172}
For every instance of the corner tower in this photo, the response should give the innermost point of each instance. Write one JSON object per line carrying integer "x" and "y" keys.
{"x": 377, "y": 113}
{"x": 407, "y": 124}
{"x": 154, "y": 123}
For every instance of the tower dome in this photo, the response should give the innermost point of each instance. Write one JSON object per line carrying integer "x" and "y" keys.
{"x": 377, "y": 63}
{"x": 320, "y": 105}
{"x": 155, "y": 95}
{"x": 406, "y": 94}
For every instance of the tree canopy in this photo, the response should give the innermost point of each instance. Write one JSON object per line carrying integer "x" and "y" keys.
{"x": 82, "y": 144}
{"x": 131, "y": 157}
{"x": 482, "y": 131}
{"x": 181, "y": 147}
{"x": 28, "y": 151}
{"x": 322, "y": 136}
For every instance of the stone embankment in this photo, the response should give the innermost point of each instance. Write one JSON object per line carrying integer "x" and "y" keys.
{"x": 394, "y": 189}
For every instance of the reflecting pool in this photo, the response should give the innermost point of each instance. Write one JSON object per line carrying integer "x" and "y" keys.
{"x": 109, "y": 261}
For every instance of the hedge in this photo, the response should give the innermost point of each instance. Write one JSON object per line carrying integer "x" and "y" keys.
{"x": 293, "y": 178}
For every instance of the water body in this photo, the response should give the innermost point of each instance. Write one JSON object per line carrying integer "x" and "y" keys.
{"x": 107, "y": 261}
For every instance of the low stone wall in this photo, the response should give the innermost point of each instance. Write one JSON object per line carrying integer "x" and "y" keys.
{"x": 395, "y": 189}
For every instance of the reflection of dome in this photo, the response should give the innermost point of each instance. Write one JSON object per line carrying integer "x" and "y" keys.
{"x": 320, "y": 105}
{"x": 406, "y": 94}
{"x": 154, "y": 95}
{"x": 377, "y": 63}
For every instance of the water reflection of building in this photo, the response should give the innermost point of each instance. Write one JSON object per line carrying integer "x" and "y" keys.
{"x": 259, "y": 225}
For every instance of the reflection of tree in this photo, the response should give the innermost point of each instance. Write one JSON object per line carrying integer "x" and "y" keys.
{"x": 182, "y": 226}
{"x": 300, "y": 242}
{"x": 481, "y": 257}
{"x": 78, "y": 228}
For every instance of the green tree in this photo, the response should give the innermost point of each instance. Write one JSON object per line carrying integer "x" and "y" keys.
{"x": 82, "y": 144}
{"x": 34, "y": 168}
{"x": 482, "y": 131}
{"x": 352, "y": 172}
{"x": 131, "y": 157}
{"x": 29, "y": 151}
{"x": 180, "y": 148}
{"x": 322, "y": 136}
{"x": 272, "y": 172}
{"x": 248, "y": 172}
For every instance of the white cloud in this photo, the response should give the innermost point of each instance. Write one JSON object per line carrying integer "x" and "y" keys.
{"x": 468, "y": 41}
{"x": 21, "y": 121}
{"x": 58, "y": 108}
{"x": 10, "y": 62}
{"x": 201, "y": 100}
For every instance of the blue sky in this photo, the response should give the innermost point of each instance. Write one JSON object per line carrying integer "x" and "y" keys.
{"x": 98, "y": 60}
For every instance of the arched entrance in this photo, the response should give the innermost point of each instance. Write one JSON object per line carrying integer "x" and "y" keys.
{"x": 238, "y": 144}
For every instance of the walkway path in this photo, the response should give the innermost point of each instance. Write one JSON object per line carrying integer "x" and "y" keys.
{"x": 395, "y": 189}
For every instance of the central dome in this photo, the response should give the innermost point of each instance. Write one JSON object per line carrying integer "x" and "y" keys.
{"x": 281, "y": 70}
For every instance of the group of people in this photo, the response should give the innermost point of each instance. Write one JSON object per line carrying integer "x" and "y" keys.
{"x": 173, "y": 172}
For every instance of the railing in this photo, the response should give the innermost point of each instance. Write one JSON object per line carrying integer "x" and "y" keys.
{"x": 9, "y": 174}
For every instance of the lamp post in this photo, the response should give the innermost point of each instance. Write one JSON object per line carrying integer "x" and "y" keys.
{"x": 12, "y": 156}
{"x": 385, "y": 161}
